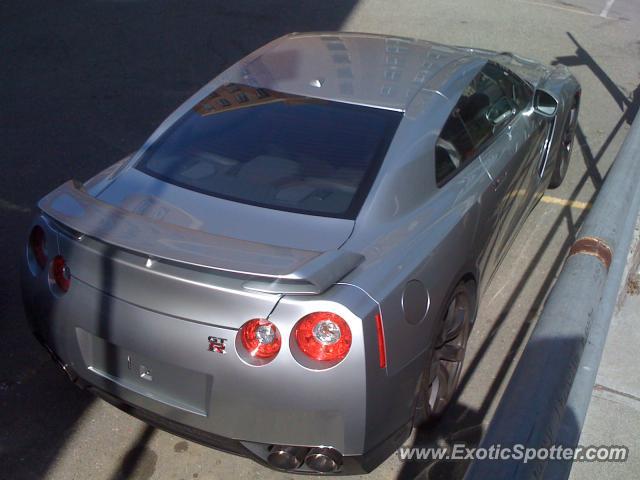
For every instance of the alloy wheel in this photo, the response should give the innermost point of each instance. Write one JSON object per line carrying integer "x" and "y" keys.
{"x": 446, "y": 364}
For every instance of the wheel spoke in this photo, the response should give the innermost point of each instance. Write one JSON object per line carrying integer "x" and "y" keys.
{"x": 444, "y": 392}
{"x": 455, "y": 320}
{"x": 450, "y": 352}
{"x": 446, "y": 362}
{"x": 433, "y": 370}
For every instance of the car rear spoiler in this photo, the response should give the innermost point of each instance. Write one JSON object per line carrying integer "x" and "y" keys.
{"x": 270, "y": 268}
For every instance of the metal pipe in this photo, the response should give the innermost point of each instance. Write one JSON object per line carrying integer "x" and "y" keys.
{"x": 582, "y": 388}
{"x": 532, "y": 408}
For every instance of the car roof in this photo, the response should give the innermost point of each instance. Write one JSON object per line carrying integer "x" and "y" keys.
{"x": 365, "y": 69}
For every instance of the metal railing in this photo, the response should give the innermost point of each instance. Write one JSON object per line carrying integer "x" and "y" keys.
{"x": 546, "y": 400}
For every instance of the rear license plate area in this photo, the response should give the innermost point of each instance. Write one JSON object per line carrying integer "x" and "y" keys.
{"x": 172, "y": 385}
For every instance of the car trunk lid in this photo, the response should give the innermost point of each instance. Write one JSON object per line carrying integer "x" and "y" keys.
{"x": 260, "y": 266}
{"x": 147, "y": 196}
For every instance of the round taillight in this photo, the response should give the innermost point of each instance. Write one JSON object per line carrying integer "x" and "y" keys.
{"x": 37, "y": 244}
{"x": 260, "y": 338}
{"x": 60, "y": 273}
{"x": 323, "y": 336}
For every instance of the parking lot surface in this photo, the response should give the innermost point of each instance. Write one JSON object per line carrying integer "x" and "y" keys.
{"x": 85, "y": 83}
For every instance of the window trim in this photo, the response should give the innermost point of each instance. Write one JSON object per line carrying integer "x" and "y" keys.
{"x": 487, "y": 143}
{"x": 528, "y": 85}
{"x": 359, "y": 197}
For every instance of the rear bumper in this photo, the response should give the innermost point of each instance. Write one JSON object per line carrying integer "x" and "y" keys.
{"x": 158, "y": 367}
{"x": 352, "y": 465}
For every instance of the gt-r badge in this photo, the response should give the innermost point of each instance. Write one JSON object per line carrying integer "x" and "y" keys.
{"x": 218, "y": 345}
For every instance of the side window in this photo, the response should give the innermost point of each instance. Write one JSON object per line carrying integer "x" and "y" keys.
{"x": 485, "y": 106}
{"x": 515, "y": 89}
{"x": 452, "y": 148}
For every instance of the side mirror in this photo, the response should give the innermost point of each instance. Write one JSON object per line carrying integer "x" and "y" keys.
{"x": 545, "y": 104}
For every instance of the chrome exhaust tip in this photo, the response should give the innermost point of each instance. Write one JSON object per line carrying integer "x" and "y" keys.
{"x": 324, "y": 459}
{"x": 286, "y": 458}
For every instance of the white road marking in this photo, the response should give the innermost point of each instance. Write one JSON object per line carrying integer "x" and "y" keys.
{"x": 607, "y": 7}
{"x": 558, "y": 7}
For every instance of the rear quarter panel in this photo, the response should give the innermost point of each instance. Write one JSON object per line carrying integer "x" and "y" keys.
{"x": 414, "y": 231}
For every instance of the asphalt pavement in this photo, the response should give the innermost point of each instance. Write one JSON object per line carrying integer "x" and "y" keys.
{"x": 84, "y": 83}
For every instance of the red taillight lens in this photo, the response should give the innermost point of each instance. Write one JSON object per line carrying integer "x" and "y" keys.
{"x": 323, "y": 336}
{"x": 60, "y": 273}
{"x": 37, "y": 243}
{"x": 260, "y": 338}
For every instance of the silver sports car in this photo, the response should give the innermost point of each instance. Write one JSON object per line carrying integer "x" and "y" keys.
{"x": 290, "y": 266}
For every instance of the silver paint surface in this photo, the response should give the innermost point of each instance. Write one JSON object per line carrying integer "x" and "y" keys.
{"x": 210, "y": 257}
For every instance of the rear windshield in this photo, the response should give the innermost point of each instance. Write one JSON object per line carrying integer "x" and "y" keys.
{"x": 275, "y": 150}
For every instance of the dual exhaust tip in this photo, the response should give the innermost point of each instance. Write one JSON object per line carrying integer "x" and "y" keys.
{"x": 318, "y": 459}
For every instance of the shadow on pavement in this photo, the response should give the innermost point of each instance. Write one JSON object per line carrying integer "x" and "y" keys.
{"x": 582, "y": 57}
{"x": 628, "y": 105}
{"x": 84, "y": 84}
{"x": 140, "y": 460}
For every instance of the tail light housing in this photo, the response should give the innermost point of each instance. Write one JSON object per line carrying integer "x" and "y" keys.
{"x": 38, "y": 246}
{"x": 260, "y": 338}
{"x": 323, "y": 336}
{"x": 60, "y": 273}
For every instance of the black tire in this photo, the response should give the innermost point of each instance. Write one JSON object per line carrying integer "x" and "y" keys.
{"x": 441, "y": 376}
{"x": 561, "y": 165}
